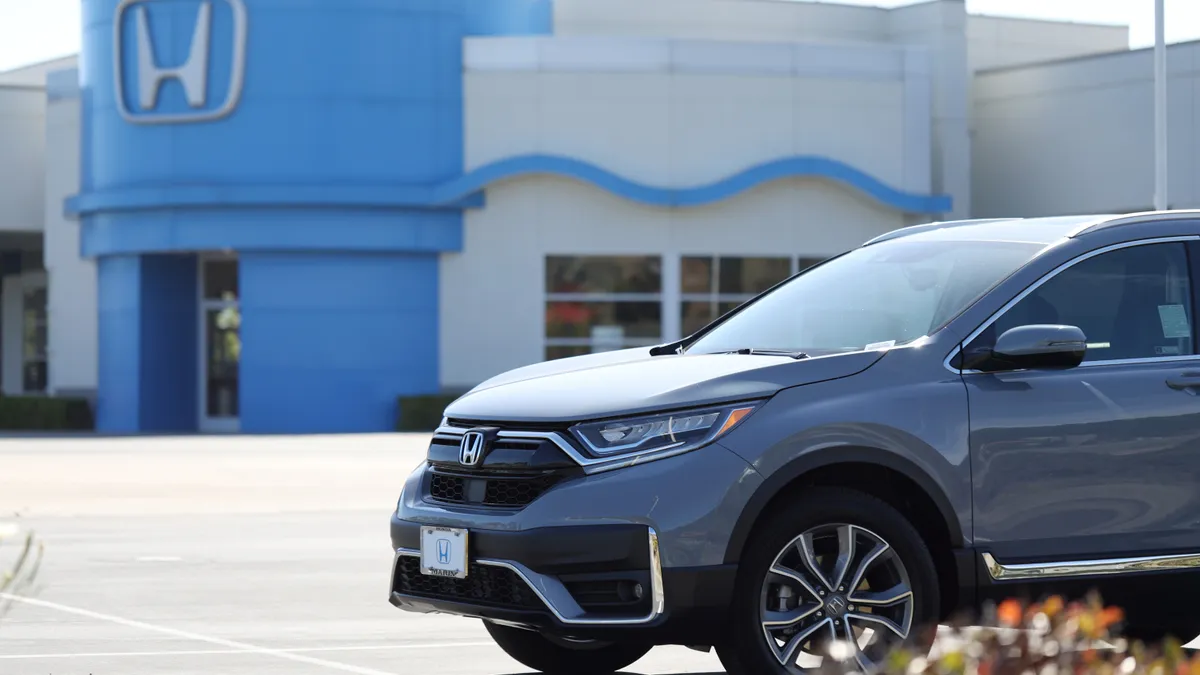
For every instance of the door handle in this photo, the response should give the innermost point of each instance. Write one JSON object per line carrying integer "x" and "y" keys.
{"x": 1184, "y": 381}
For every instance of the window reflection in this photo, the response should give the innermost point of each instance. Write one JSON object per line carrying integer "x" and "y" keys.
{"x": 34, "y": 341}
{"x": 223, "y": 360}
{"x": 223, "y": 343}
{"x": 221, "y": 280}
{"x": 602, "y": 303}
{"x": 713, "y": 286}
{"x": 603, "y": 274}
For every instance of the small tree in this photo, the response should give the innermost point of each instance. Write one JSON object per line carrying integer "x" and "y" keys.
{"x": 18, "y": 579}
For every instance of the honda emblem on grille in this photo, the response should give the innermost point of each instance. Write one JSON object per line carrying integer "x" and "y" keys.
{"x": 471, "y": 448}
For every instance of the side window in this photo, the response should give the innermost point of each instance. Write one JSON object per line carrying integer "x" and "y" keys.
{"x": 1131, "y": 303}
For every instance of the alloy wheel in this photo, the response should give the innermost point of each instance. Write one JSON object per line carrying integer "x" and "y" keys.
{"x": 839, "y": 591}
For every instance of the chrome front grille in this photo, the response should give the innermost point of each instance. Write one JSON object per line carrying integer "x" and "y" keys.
{"x": 460, "y": 425}
{"x": 512, "y": 474}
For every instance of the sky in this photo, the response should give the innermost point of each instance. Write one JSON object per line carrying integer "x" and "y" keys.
{"x": 39, "y": 30}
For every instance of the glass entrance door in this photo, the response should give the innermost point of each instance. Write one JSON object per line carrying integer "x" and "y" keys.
{"x": 220, "y": 345}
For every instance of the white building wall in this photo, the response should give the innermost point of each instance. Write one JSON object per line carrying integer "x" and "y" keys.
{"x": 740, "y": 20}
{"x": 958, "y": 43}
{"x": 72, "y": 309}
{"x": 638, "y": 112}
{"x": 1077, "y": 136}
{"x": 994, "y": 41}
{"x": 22, "y": 157}
{"x": 998, "y": 42}
{"x": 938, "y": 26}
{"x": 34, "y": 75}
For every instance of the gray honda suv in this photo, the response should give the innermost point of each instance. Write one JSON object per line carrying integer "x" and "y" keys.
{"x": 950, "y": 413}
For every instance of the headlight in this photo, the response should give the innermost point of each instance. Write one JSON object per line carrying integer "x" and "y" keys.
{"x": 671, "y": 432}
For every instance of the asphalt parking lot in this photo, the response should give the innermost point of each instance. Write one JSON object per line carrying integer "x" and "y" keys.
{"x": 238, "y": 555}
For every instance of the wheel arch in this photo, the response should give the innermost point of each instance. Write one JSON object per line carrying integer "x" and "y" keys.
{"x": 902, "y": 481}
{"x": 795, "y": 472}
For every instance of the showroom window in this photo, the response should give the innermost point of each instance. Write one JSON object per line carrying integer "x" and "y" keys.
{"x": 33, "y": 350}
{"x": 602, "y": 303}
{"x": 711, "y": 286}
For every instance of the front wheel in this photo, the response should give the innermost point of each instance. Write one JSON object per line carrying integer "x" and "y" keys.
{"x": 835, "y": 574}
{"x": 555, "y": 656}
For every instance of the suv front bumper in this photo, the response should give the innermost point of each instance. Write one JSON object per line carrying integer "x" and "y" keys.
{"x": 571, "y": 561}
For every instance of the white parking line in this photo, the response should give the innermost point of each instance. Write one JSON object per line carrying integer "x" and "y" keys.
{"x": 206, "y": 652}
{"x": 187, "y": 635}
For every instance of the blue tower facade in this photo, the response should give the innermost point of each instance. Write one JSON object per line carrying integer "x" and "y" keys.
{"x": 302, "y": 140}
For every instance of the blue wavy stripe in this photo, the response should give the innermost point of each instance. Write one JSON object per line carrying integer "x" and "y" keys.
{"x": 789, "y": 167}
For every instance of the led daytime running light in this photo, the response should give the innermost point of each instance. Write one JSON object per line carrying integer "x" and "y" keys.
{"x": 670, "y": 426}
{"x": 652, "y": 434}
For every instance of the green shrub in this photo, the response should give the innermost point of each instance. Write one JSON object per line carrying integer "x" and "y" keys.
{"x": 42, "y": 413}
{"x": 422, "y": 413}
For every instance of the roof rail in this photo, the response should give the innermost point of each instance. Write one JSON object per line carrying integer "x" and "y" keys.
{"x": 930, "y": 227}
{"x": 1134, "y": 219}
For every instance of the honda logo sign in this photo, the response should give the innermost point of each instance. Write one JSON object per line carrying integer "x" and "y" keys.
{"x": 137, "y": 61}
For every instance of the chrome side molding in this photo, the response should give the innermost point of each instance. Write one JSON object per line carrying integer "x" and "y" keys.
{"x": 1078, "y": 568}
{"x": 558, "y": 600}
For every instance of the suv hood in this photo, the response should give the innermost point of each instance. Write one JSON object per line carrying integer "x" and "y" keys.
{"x": 630, "y": 382}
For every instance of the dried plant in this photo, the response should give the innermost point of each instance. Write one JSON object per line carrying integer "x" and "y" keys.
{"x": 1047, "y": 638}
{"x": 19, "y": 578}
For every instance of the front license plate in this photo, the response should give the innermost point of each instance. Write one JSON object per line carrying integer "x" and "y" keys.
{"x": 444, "y": 552}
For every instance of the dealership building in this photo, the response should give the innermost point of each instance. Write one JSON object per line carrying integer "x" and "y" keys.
{"x": 278, "y": 217}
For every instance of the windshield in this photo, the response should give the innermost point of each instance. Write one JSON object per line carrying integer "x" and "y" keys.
{"x": 881, "y": 295}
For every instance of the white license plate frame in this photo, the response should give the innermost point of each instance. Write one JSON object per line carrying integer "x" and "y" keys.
{"x": 444, "y": 552}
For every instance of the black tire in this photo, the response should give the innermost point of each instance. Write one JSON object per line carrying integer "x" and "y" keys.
{"x": 556, "y": 656}
{"x": 748, "y": 651}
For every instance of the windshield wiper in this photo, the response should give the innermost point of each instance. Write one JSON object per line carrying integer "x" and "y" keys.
{"x": 667, "y": 349}
{"x": 790, "y": 353}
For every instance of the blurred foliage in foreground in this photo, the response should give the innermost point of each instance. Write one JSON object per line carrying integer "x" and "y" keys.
{"x": 1048, "y": 638}
{"x": 19, "y": 578}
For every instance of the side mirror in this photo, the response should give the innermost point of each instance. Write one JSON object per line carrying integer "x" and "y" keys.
{"x": 1038, "y": 346}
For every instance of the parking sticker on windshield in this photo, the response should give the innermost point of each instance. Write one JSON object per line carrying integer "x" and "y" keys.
{"x": 879, "y": 345}
{"x": 1174, "y": 321}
